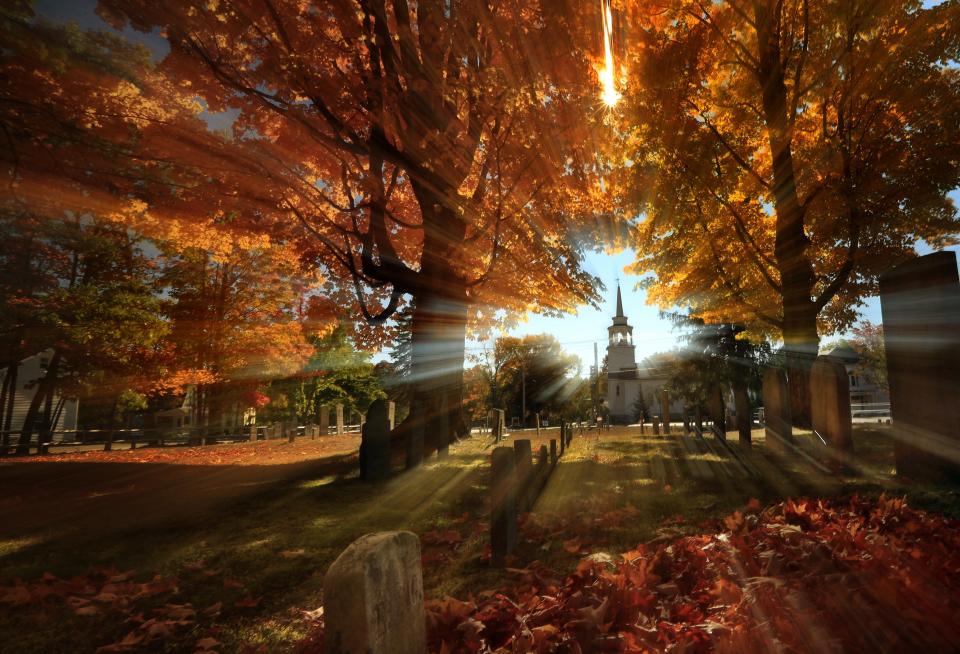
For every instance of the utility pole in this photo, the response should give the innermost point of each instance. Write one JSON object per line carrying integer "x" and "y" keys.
{"x": 523, "y": 395}
{"x": 596, "y": 367}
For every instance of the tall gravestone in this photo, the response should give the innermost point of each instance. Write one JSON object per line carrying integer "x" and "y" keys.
{"x": 416, "y": 432}
{"x": 339, "y": 413}
{"x": 375, "y": 443}
{"x": 665, "y": 407}
{"x": 830, "y": 403}
{"x": 524, "y": 453}
{"x": 920, "y": 304}
{"x": 392, "y": 415}
{"x": 324, "y": 420}
{"x": 373, "y": 597}
{"x": 718, "y": 413}
{"x": 776, "y": 408}
{"x": 503, "y": 504}
{"x": 553, "y": 451}
{"x": 742, "y": 402}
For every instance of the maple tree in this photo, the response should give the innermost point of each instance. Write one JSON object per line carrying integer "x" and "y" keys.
{"x": 237, "y": 318}
{"x": 414, "y": 155}
{"x": 786, "y": 153}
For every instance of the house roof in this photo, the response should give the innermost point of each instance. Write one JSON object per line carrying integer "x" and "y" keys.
{"x": 843, "y": 353}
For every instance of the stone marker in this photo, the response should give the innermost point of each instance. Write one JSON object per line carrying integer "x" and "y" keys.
{"x": 563, "y": 445}
{"x": 524, "y": 456}
{"x": 375, "y": 444}
{"x": 830, "y": 403}
{"x": 503, "y": 504}
{"x": 416, "y": 430}
{"x": 553, "y": 451}
{"x": 665, "y": 407}
{"x": 543, "y": 456}
{"x": 392, "y": 415}
{"x": 776, "y": 410}
{"x": 920, "y": 302}
{"x": 373, "y": 597}
{"x": 324, "y": 420}
{"x": 339, "y": 414}
{"x": 718, "y": 413}
{"x": 744, "y": 423}
{"x": 656, "y": 425}
{"x": 253, "y": 431}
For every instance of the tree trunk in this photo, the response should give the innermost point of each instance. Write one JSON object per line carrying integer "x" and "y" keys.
{"x": 45, "y": 386}
{"x": 4, "y": 429}
{"x": 438, "y": 330}
{"x": 799, "y": 327}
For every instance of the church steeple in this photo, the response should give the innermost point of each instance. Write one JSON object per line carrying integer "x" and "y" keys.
{"x": 619, "y": 303}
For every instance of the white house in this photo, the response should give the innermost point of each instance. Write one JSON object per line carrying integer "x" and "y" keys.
{"x": 29, "y": 372}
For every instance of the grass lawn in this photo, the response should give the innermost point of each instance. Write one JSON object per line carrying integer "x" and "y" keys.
{"x": 251, "y": 576}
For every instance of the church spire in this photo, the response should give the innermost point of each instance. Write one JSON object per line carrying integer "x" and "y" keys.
{"x": 619, "y": 303}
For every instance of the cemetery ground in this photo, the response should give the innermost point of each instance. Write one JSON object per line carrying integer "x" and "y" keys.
{"x": 245, "y": 573}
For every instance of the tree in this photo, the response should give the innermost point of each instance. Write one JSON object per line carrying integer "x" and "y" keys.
{"x": 787, "y": 152}
{"x": 535, "y": 374}
{"x": 237, "y": 320}
{"x": 867, "y": 341}
{"x": 412, "y": 154}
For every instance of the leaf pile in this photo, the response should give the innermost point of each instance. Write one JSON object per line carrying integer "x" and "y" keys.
{"x": 250, "y": 453}
{"x": 145, "y": 613}
{"x": 803, "y": 575}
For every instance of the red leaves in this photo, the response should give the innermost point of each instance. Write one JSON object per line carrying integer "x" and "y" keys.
{"x": 801, "y": 572}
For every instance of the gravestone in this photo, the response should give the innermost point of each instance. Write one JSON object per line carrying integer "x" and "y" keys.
{"x": 553, "y": 451}
{"x": 373, "y": 597}
{"x": 830, "y": 403}
{"x": 503, "y": 504}
{"x": 524, "y": 455}
{"x": 563, "y": 445}
{"x": 443, "y": 447}
{"x": 416, "y": 431}
{"x": 339, "y": 414}
{"x": 375, "y": 444}
{"x": 776, "y": 410}
{"x": 655, "y": 421}
{"x": 744, "y": 426}
{"x": 392, "y": 415}
{"x": 253, "y": 431}
{"x": 543, "y": 456}
{"x": 920, "y": 303}
{"x": 665, "y": 408}
{"x": 324, "y": 420}
{"x": 718, "y": 413}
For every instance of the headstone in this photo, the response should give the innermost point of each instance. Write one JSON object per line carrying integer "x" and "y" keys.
{"x": 563, "y": 445}
{"x": 375, "y": 444}
{"x": 503, "y": 504}
{"x": 339, "y": 414}
{"x": 416, "y": 430}
{"x": 553, "y": 451}
{"x": 830, "y": 403}
{"x": 656, "y": 426}
{"x": 373, "y": 597}
{"x": 920, "y": 303}
{"x": 443, "y": 449}
{"x": 292, "y": 430}
{"x": 744, "y": 426}
{"x": 392, "y": 415}
{"x": 324, "y": 420}
{"x": 253, "y": 431}
{"x": 543, "y": 456}
{"x": 718, "y": 413}
{"x": 665, "y": 406}
{"x": 776, "y": 410}
{"x": 524, "y": 455}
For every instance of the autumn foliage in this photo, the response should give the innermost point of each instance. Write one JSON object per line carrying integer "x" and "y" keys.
{"x": 802, "y": 575}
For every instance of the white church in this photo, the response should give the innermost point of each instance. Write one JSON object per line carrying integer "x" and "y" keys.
{"x": 627, "y": 382}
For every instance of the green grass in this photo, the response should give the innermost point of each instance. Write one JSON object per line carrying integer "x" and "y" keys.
{"x": 258, "y": 542}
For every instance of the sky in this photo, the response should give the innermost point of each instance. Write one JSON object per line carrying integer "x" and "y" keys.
{"x": 578, "y": 332}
